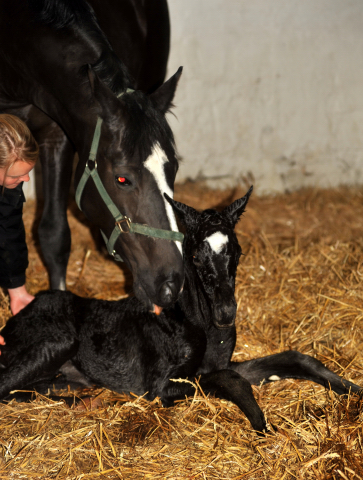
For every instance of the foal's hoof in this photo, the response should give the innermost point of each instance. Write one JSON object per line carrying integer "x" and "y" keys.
{"x": 268, "y": 429}
{"x": 88, "y": 403}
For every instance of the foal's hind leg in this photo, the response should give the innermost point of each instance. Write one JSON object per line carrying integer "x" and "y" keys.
{"x": 225, "y": 384}
{"x": 38, "y": 363}
{"x": 292, "y": 364}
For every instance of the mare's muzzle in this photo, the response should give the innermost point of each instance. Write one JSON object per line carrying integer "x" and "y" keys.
{"x": 169, "y": 290}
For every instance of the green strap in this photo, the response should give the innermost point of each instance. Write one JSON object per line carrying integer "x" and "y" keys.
{"x": 81, "y": 185}
{"x": 111, "y": 243}
{"x": 128, "y": 90}
{"x": 105, "y": 196}
{"x": 92, "y": 156}
{"x": 96, "y": 140}
{"x": 156, "y": 232}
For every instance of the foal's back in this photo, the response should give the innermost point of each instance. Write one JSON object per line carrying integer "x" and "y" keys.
{"x": 126, "y": 348}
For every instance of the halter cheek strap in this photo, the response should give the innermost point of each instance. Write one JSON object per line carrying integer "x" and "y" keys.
{"x": 123, "y": 224}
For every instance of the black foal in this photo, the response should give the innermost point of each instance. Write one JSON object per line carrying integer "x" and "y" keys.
{"x": 122, "y": 346}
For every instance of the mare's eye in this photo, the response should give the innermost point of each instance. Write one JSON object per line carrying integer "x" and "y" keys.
{"x": 123, "y": 181}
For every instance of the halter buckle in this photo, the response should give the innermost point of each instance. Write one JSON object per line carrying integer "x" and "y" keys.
{"x": 126, "y": 221}
{"x": 94, "y": 162}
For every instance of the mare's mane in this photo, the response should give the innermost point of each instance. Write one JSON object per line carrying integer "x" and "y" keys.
{"x": 78, "y": 14}
{"x": 145, "y": 125}
{"x": 62, "y": 13}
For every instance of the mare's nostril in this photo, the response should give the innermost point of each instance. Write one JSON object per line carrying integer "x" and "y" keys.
{"x": 168, "y": 293}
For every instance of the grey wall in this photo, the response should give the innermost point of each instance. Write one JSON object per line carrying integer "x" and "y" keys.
{"x": 271, "y": 89}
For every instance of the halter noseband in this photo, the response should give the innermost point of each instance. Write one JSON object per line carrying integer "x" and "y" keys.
{"x": 123, "y": 224}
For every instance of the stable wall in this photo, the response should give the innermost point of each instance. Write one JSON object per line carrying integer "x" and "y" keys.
{"x": 271, "y": 91}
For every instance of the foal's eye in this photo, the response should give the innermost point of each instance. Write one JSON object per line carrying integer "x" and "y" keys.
{"x": 123, "y": 181}
{"x": 196, "y": 261}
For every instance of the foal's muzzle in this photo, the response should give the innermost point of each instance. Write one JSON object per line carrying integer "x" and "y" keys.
{"x": 224, "y": 308}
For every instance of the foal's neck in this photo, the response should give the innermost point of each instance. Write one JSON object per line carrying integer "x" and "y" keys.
{"x": 193, "y": 299}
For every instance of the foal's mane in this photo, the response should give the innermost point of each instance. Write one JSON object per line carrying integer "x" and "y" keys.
{"x": 60, "y": 14}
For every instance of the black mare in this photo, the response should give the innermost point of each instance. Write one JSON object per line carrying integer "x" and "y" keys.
{"x": 63, "y": 64}
{"x": 122, "y": 346}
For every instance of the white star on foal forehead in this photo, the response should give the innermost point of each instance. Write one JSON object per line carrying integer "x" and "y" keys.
{"x": 217, "y": 241}
{"x": 155, "y": 164}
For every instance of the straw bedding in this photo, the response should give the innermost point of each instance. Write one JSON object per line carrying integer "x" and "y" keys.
{"x": 299, "y": 286}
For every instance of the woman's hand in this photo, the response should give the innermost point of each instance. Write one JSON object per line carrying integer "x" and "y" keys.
{"x": 19, "y": 298}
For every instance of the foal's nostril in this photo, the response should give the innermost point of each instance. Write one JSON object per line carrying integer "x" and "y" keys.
{"x": 225, "y": 314}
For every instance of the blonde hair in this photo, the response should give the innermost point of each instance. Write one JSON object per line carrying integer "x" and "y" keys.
{"x": 16, "y": 139}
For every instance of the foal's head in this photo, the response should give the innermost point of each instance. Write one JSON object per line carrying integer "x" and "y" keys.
{"x": 211, "y": 253}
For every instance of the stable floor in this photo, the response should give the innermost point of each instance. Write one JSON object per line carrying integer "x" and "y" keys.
{"x": 299, "y": 286}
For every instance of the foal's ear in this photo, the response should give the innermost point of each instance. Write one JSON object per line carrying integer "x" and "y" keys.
{"x": 163, "y": 96}
{"x": 235, "y": 210}
{"x": 186, "y": 214}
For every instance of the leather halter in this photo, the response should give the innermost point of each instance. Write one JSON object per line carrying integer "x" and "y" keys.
{"x": 123, "y": 224}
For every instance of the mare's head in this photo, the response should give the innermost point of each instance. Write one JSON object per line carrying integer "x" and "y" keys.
{"x": 211, "y": 253}
{"x": 137, "y": 164}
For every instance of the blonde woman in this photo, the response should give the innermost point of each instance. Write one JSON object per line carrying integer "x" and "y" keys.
{"x": 18, "y": 154}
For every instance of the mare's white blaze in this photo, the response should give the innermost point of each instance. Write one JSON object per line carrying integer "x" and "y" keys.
{"x": 217, "y": 241}
{"x": 155, "y": 164}
{"x": 274, "y": 378}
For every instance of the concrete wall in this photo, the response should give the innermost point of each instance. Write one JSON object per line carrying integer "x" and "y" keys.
{"x": 271, "y": 90}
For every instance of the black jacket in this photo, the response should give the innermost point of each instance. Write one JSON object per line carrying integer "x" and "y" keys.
{"x": 13, "y": 249}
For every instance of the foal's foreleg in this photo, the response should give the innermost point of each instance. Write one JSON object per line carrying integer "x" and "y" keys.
{"x": 292, "y": 364}
{"x": 225, "y": 384}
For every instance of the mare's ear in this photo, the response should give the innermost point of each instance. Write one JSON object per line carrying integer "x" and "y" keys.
{"x": 185, "y": 213}
{"x": 163, "y": 96}
{"x": 93, "y": 78}
{"x": 235, "y": 210}
{"x": 106, "y": 100}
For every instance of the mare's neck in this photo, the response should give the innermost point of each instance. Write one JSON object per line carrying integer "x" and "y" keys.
{"x": 53, "y": 73}
{"x": 67, "y": 97}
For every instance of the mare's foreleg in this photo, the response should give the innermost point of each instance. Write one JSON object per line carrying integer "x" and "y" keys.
{"x": 292, "y": 364}
{"x": 56, "y": 155}
{"x": 225, "y": 384}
